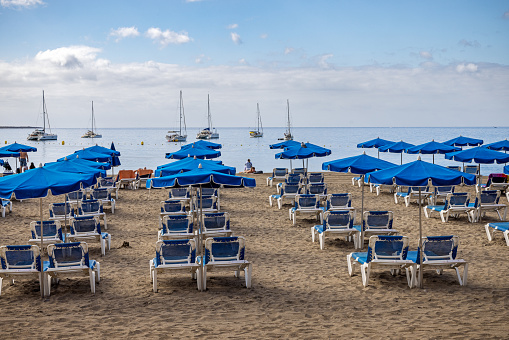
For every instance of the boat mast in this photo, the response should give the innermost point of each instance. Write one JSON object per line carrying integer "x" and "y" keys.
{"x": 259, "y": 117}
{"x": 208, "y": 113}
{"x": 288, "y": 106}
{"x": 43, "y": 113}
{"x": 92, "y": 117}
{"x": 180, "y": 117}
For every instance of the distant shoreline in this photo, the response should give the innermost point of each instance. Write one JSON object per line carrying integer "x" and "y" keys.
{"x": 20, "y": 127}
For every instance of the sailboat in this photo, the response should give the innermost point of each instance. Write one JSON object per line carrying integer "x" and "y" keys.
{"x": 209, "y": 132}
{"x": 259, "y": 131}
{"x": 288, "y": 134}
{"x": 92, "y": 133}
{"x": 40, "y": 134}
{"x": 177, "y": 136}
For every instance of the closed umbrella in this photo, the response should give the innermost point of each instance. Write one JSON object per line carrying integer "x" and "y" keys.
{"x": 420, "y": 173}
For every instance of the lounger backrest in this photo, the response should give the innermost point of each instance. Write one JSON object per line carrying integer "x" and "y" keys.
{"x": 216, "y": 221}
{"x": 209, "y": 192}
{"x": 173, "y": 206}
{"x": 279, "y": 172}
{"x": 301, "y": 171}
{"x": 126, "y": 174}
{"x": 90, "y": 207}
{"x": 454, "y": 167}
{"x": 488, "y": 197}
{"x": 207, "y": 202}
{"x": 317, "y": 189}
{"x": 338, "y": 201}
{"x": 177, "y": 224}
{"x": 20, "y": 257}
{"x": 85, "y": 224}
{"x": 458, "y": 199}
{"x": 106, "y": 182}
{"x": 290, "y": 189}
{"x": 178, "y": 193}
{"x": 68, "y": 254}
{"x": 222, "y": 249}
{"x": 439, "y": 248}
{"x": 51, "y": 229}
{"x": 443, "y": 190}
{"x": 338, "y": 220}
{"x": 377, "y": 220}
{"x": 471, "y": 169}
{"x": 307, "y": 201}
{"x": 175, "y": 252}
{"x": 101, "y": 194}
{"x": 75, "y": 195}
{"x": 315, "y": 177}
{"x": 293, "y": 178}
{"x": 60, "y": 209}
{"x": 387, "y": 248}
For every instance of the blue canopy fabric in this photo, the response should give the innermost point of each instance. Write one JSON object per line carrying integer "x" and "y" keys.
{"x": 479, "y": 155}
{"x": 374, "y": 143}
{"x": 397, "y": 147}
{"x": 201, "y": 144}
{"x": 9, "y": 154}
{"x": 506, "y": 169}
{"x": 464, "y": 141}
{"x": 200, "y": 177}
{"x": 17, "y": 147}
{"x": 361, "y": 164}
{"x": 35, "y": 183}
{"x": 84, "y": 162}
{"x": 302, "y": 151}
{"x": 88, "y": 155}
{"x": 70, "y": 166}
{"x": 102, "y": 149}
{"x": 189, "y": 164}
{"x": 188, "y": 158}
{"x": 419, "y": 173}
{"x": 502, "y": 145}
{"x": 285, "y": 144}
{"x": 432, "y": 148}
{"x": 198, "y": 152}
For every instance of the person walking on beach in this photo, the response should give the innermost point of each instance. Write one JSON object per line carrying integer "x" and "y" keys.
{"x": 23, "y": 159}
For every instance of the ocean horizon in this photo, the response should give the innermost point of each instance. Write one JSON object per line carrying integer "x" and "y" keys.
{"x": 146, "y": 147}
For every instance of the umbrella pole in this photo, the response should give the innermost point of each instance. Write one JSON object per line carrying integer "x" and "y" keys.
{"x": 362, "y": 213}
{"x": 420, "y": 240}
{"x": 201, "y": 220}
{"x": 42, "y": 243}
{"x": 401, "y": 158}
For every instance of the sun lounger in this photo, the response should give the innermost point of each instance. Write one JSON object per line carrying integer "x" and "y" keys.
{"x": 439, "y": 253}
{"x": 110, "y": 183}
{"x": 70, "y": 259}
{"x": 319, "y": 189}
{"x": 104, "y": 195}
{"x": 497, "y": 226}
{"x": 454, "y": 205}
{"x": 172, "y": 207}
{"x": 341, "y": 201}
{"x": 226, "y": 253}
{"x": 175, "y": 255}
{"x": 490, "y": 201}
{"x": 287, "y": 192}
{"x": 216, "y": 225}
{"x": 412, "y": 194}
{"x": 181, "y": 194}
{"x": 88, "y": 228}
{"x": 176, "y": 227}
{"x": 20, "y": 262}
{"x": 127, "y": 179}
{"x": 440, "y": 194}
{"x": 375, "y": 223}
{"x": 61, "y": 211}
{"x": 143, "y": 175}
{"x": 92, "y": 208}
{"x": 314, "y": 177}
{"x": 4, "y": 204}
{"x": 386, "y": 252}
{"x": 335, "y": 223}
{"x": 306, "y": 204}
{"x": 278, "y": 174}
{"x": 52, "y": 232}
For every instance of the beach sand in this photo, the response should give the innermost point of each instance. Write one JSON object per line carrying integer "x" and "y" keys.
{"x": 299, "y": 291}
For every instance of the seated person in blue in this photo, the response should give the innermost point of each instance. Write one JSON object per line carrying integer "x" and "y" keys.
{"x": 248, "y": 167}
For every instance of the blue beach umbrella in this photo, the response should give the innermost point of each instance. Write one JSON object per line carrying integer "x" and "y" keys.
{"x": 73, "y": 167}
{"x": 502, "y": 145}
{"x": 303, "y": 151}
{"x": 420, "y": 173}
{"x": 360, "y": 165}
{"x": 432, "y": 148}
{"x": 9, "y": 154}
{"x": 285, "y": 144}
{"x": 464, "y": 141}
{"x": 479, "y": 155}
{"x": 201, "y": 144}
{"x": 398, "y": 147}
{"x": 83, "y": 162}
{"x": 13, "y": 150}
{"x": 198, "y": 152}
{"x": 88, "y": 155}
{"x": 375, "y": 143}
{"x": 189, "y": 164}
{"x": 102, "y": 149}
{"x": 506, "y": 169}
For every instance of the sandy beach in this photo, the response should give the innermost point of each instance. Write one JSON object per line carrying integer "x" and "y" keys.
{"x": 299, "y": 291}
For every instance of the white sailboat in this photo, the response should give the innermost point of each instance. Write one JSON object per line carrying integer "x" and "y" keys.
{"x": 92, "y": 133}
{"x": 259, "y": 131}
{"x": 177, "y": 136}
{"x": 41, "y": 134}
{"x": 209, "y": 132}
{"x": 288, "y": 134}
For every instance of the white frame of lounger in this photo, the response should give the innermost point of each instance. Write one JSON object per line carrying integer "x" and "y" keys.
{"x": 28, "y": 272}
{"x": 490, "y": 230}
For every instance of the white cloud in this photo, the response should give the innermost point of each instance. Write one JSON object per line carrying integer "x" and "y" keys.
{"x": 322, "y": 62}
{"x": 201, "y": 59}
{"x": 426, "y": 55}
{"x": 124, "y": 32}
{"x": 21, "y": 3}
{"x": 236, "y": 38}
{"x": 466, "y": 68}
{"x": 242, "y": 61}
{"x": 136, "y": 94}
{"x": 233, "y": 26}
{"x": 264, "y": 36}
{"x": 289, "y": 50}
{"x": 167, "y": 37}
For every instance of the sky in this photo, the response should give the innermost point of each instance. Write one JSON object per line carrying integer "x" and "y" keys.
{"x": 338, "y": 63}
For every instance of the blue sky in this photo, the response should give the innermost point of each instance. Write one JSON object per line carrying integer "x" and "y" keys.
{"x": 340, "y": 63}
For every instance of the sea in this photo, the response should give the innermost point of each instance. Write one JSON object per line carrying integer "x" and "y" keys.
{"x": 147, "y": 147}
